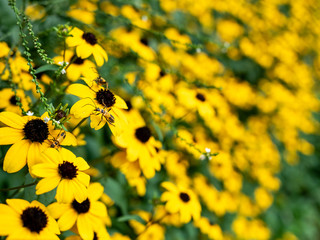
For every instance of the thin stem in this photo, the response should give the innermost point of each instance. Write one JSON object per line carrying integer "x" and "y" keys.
{"x": 19, "y": 187}
{"x": 78, "y": 124}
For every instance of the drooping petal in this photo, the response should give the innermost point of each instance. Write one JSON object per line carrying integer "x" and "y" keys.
{"x": 98, "y": 57}
{"x": 84, "y": 50}
{"x": 16, "y": 157}
{"x": 10, "y": 135}
{"x": 81, "y": 91}
{"x": 98, "y": 209}
{"x": 12, "y": 120}
{"x": 84, "y": 178}
{"x": 81, "y": 164}
{"x": 83, "y": 108}
{"x": 95, "y": 191}
{"x": 84, "y": 227}
{"x": 70, "y": 139}
{"x": 67, "y": 220}
{"x": 120, "y": 103}
{"x": 47, "y": 184}
{"x": 101, "y": 51}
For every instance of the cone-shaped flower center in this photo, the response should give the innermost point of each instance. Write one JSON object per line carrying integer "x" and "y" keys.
{"x": 90, "y": 38}
{"x": 67, "y": 170}
{"x": 36, "y": 130}
{"x": 13, "y": 101}
{"x": 81, "y": 207}
{"x": 200, "y": 97}
{"x": 78, "y": 61}
{"x": 105, "y": 98}
{"x": 184, "y": 197}
{"x": 143, "y": 134}
{"x": 34, "y": 219}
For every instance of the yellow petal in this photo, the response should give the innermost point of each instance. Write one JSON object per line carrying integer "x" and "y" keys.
{"x": 56, "y": 209}
{"x": 83, "y": 108}
{"x": 98, "y": 57}
{"x": 64, "y": 192}
{"x": 79, "y": 191}
{"x": 45, "y": 170}
{"x": 84, "y": 227}
{"x": 10, "y": 135}
{"x": 81, "y": 164}
{"x": 84, "y": 178}
{"x": 70, "y": 139}
{"x": 81, "y": 91}
{"x": 84, "y": 50}
{"x": 102, "y": 52}
{"x": 52, "y": 156}
{"x": 12, "y": 120}
{"x": 120, "y": 103}
{"x": 67, "y": 220}
{"x": 95, "y": 191}
{"x": 16, "y": 157}
{"x": 76, "y": 38}
{"x": 67, "y": 155}
{"x": 34, "y": 154}
{"x": 47, "y": 184}
{"x": 98, "y": 209}
{"x": 18, "y": 204}
{"x": 9, "y": 220}
{"x": 97, "y": 121}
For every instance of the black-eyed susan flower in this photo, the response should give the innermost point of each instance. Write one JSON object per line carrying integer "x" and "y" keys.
{"x": 182, "y": 200}
{"x": 86, "y": 45}
{"x": 88, "y": 216}
{"x": 78, "y": 66}
{"x": 28, "y": 221}
{"x": 30, "y": 135}
{"x": 8, "y": 100}
{"x": 100, "y": 104}
{"x": 140, "y": 145}
{"x": 64, "y": 170}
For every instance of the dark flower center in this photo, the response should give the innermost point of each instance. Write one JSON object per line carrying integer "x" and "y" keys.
{"x": 78, "y": 61}
{"x": 67, "y": 170}
{"x": 60, "y": 114}
{"x": 200, "y": 97}
{"x": 95, "y": 236}
{"x": 143, "y": 134}
{"x": 162, "y": 73}
{"x": 34, "y": 219}
{"x": 144, "y": 41}
{"x": 105, "y": 98}
{"x": 13, "y": 100}
{"x": 129, "y": 105}
{"x": 184, "y": 197}
{"x": 90, "y": 38}
{"x": 81, "y": 207}
{"x": 36, "y": 130}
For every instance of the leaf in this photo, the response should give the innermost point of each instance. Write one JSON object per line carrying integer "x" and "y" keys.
{"x": 158, "y": 131}
{"x": 47, "y": 67}
{"x": 29, "y": 192}
{"x": 126, "y": 218}
{"x": 116, "y": 192}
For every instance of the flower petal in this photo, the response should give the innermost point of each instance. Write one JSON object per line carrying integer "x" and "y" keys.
{"x": 85, "y": 227}
{"x": 83, "y": 108}
{"x": 47, "y": 184}
{"x": 81, "y": 91}
{"x": 84, "y": 178}
{"x": 67, "y": 220}
{"x": 84, "y": 50}
{"x": 120, "y": 103}
{"x": 34, "y": 154}
{"x": 9, "y": 135}
{"x": 16, "y": 157}
{"x": 18, "y": 204}
{"x": 12, "y": 120}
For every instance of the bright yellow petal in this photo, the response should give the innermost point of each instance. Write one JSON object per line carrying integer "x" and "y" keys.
{"x": 12, "y": 120}
{"x": 97, "y": 121}
{"x": 45, "y": 170}
{"x": 10, "y": 135}
{"x": 98, "y": 209}
{"x": 98, "y": 57}
{"x": 83, "y": 108}
{"x": 18, "y": 204}
{"x": 84, "y": 178}
{"x": 52, "y": 156}
{"x": 64, "y": 192}
{"x": 16, "y": 157}
{"x": 47, "y": 184}
{"x": 120, "y": 103}
{"x": 76, "y": 38}
{"x": 101, "y": 51}
{"x": 85, "y": 227}
{"x": 56, "y": 209}
{"x": 9, "y": 220}
{"x": 34, "y": 154}
{"x": 95, "y": 191}
{"x": 67, "y": 220}
{"x": 84, "y": 50}
{"x": 81, "y": 91}
{"x": 81, "y": 164}
{"x": 70, "y": 139}
{"x": 79, "y": 191}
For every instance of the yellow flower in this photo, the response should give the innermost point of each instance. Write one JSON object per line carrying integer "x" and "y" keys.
{"x": 8, "y": 100}
{"x": 28, "y": 221}
{"x": 87, "y": 215}
{"x": 140, "y": 145}
{"x": 4, "y": 49}
{"x": 86, "y": 45}
{"x": 78, "y": 67}
{"x": 100, "y": 104}
{"x": 30, "y": 136}
{"x": 182, "y": 200}
{"x": 64, "y": 170}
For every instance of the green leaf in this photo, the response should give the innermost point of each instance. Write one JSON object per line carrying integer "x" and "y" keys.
{"x": 47, "y": 67}
{"x": 126, "y": 218}
{"x": 116, "y": 192}
{"x": 158, "y": 131}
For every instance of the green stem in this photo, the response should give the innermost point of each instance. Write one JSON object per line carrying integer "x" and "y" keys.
{"x": 78, "y": 124}
{"x": 19, "y": 187}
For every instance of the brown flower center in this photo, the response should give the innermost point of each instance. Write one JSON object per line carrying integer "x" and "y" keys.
{"x": 184, "y": 197}
{"x": 143, "y": 134}
{"x": 36, "y": 130}
{"x": 67, "y": 170}
{"x": 105, "y": 98}
{"x": 200, "y": 97}
{"x": 34, "y": 219}
{"x": 90, "y": 38}
{"x": 82, "y": 207}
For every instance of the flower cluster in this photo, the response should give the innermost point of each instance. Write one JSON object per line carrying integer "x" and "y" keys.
{"x": 158, "y": 120}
